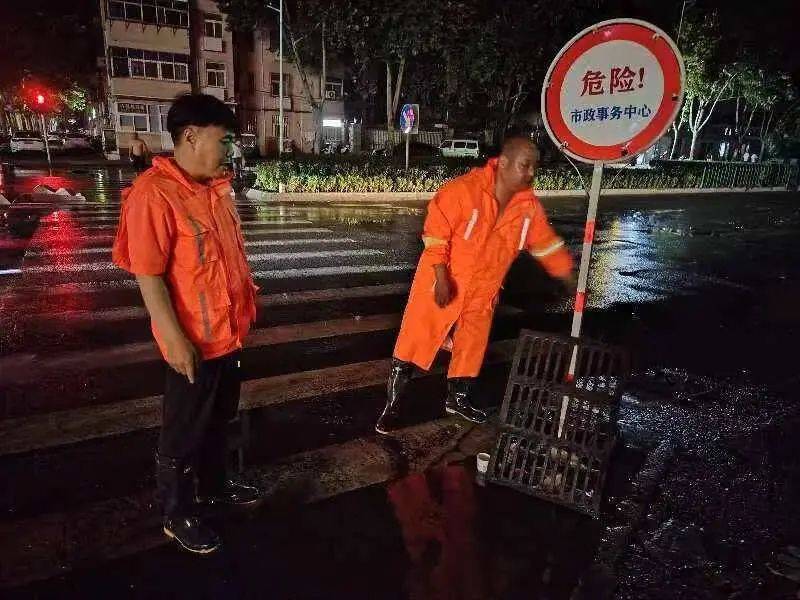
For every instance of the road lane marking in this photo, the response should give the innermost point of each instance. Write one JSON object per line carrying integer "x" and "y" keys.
{"x": 28, "y": 367}
{"x": 289, "y": 242}
{"x": 108, "y": 266}
{"x": 24, "y": 434}
{"x": 264, "y": 301}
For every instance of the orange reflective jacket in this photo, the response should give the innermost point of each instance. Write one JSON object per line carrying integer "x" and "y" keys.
{"x": 463, "y": 231}
{"x": 190, "y": 234}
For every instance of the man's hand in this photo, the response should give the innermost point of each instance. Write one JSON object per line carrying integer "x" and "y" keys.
{"x": 180, "y": 353}
{"x": 443, "y": 290}
{"x": 182, "y": 356}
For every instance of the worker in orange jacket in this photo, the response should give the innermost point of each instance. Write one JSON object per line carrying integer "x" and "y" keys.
{"x": 180, "y": 235}
{"x": 476, "y": 226}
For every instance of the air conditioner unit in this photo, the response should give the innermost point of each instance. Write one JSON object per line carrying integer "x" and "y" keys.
{"x": 330, "y": 95}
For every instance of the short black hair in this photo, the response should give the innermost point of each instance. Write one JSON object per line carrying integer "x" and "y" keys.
{"x": 201, "y": 110}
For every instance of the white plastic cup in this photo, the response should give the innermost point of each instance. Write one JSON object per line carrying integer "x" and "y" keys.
{"x": 482, "y": 461}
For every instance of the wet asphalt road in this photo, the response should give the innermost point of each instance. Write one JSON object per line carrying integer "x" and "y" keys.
{"x": 694, "y": 286}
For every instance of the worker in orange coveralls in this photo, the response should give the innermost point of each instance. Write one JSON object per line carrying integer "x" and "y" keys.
{"x": 476, "y": 226}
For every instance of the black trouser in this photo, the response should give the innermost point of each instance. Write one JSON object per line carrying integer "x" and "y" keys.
{"x": 195, "y": 420}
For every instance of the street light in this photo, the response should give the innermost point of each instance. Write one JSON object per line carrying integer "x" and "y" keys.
{"x": 280, "y": 75}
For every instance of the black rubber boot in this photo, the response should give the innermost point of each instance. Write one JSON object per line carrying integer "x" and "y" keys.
{"x": 232, "y": 493}
{"x": 399, "y": 376}
{"x": 176, "y": 490}
{"x": 459, "y": 390}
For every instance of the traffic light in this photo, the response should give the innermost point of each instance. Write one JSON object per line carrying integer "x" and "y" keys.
{"x": 40, "y": 99}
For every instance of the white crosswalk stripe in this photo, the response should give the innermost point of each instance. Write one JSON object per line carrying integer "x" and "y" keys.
{"x": 289, "y": 242}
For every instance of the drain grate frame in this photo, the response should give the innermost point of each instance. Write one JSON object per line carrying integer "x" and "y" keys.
{"x": 557, "y": 431}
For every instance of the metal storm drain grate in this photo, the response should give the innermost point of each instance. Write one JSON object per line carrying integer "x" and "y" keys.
{"x": 558, "y": 430}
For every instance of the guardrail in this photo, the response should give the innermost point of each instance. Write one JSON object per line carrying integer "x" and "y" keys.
{"x": 717, "y": 174}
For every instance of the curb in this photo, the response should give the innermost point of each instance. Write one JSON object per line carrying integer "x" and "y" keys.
{"x": 372, "y": 197}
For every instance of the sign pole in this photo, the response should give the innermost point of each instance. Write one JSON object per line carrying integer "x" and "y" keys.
{"x": 46, "y": 143}
{"x": 408, "y": 135}
{"x": 583, "y": 277}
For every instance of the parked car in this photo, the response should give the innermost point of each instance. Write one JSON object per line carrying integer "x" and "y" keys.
{"x": 460, "y": 148}
{"x": 27, "y": 141}
{"x": 55, "y": 141}
{"x": 76, "y": 141}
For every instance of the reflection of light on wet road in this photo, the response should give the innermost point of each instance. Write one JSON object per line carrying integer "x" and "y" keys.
{"x": 621, "y": 248}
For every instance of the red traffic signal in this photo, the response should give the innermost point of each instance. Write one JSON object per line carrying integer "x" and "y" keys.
{"x": 40, "y": 99}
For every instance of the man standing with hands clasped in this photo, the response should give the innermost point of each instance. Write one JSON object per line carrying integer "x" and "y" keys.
{"x": 179, "y": 234}
{"x": 476, "y": 226}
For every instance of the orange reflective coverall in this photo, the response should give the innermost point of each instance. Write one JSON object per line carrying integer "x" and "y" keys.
{"x": 190, "y": 234}
{"x": 463, "y": 231}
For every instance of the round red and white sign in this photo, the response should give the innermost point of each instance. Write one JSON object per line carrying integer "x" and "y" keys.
{"x": 612, "y": 91}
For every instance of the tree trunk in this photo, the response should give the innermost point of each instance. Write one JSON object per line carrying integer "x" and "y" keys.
{"x": 765, "y": 134}
{"x": 316, "y": 115}
{"x": 693, "y": 148}
{"x": 318, "y": 112}
{"x": 388, "y": 103}
{"x": 675, "y": 134}
{"x": 308, "y": 92}
{"x": 393, "y": 95}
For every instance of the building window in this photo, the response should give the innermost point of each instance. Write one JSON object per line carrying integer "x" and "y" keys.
{"x": 166, "y": 66}
{"x": 215, "y": 74}
{"x": 172, "y": 13}
{"x": 212, "y": 25}
{"x": 334, "y": 89}
{"x": 133, "y": 117}
{"x": 276, "y": 131}
{"x": 274, "y": 40}
{"x": 275, "y": 82}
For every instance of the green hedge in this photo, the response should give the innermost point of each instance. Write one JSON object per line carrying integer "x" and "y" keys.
{"x": 354, "y": 176}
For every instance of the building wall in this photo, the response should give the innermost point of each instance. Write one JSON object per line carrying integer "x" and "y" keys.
{"x": 258, "y": 59}
{"x": 209, "y": 49}
{"x": 141, "y": 101}
{"x": 144, "y": 99}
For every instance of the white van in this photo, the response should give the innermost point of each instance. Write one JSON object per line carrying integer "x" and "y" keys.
{"x": 460, "y": 148}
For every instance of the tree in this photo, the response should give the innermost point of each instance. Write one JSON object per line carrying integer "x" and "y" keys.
{"x": 778, "y": 91}
{"x": 503, "y": 50}
{"x": 75, "y": 98}
{"x": 392, "y": 34}
{"x": 304, "y": 22}
{"x": 707, "y": 80}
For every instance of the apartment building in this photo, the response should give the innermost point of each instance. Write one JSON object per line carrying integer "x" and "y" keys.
{"x": 258, "y": 90}
{"x": 156, "y": 50}
{"x": 213, "y": 52}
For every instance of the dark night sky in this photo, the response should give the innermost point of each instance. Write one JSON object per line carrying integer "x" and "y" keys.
{"x": 60, "y": 37}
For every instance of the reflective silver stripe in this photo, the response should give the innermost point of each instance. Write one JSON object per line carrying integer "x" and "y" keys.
{"x": 524, "y": 233}
{"x": 548, "y": 250}
{"x": 201, "y": 251}
{"x": 204, "y": 315}
{"x": 471, "y": 224}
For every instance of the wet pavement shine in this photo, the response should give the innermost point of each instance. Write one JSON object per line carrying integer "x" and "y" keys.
{"x": 702, "y": 290}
